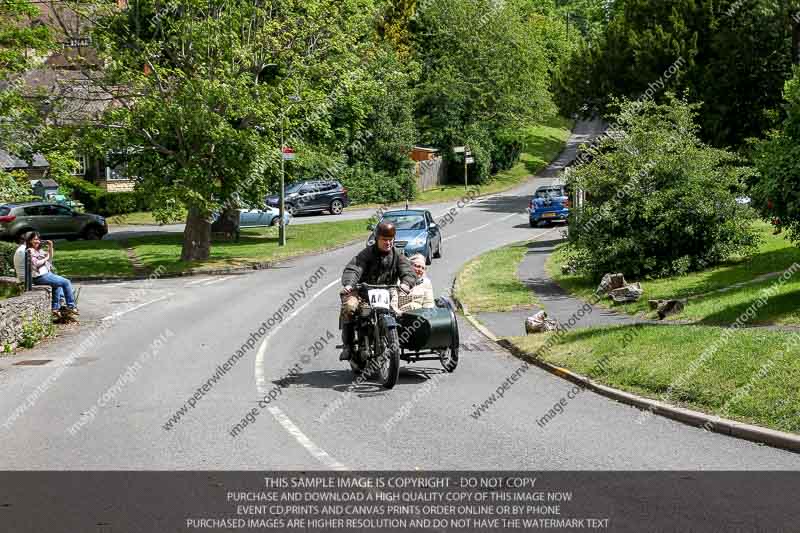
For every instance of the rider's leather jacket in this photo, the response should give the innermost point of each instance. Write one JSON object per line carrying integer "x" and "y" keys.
{"x": 373, "y": 267}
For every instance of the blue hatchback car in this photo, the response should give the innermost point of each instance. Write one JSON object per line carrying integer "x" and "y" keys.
{"x": 549, "y": 203}
{"x": 416, "y": 233}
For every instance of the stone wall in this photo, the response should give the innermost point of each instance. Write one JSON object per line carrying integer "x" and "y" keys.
{"x": 17, "y": 311}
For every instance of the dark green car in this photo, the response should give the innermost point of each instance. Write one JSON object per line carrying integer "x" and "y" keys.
{"x": 51, "y": 220}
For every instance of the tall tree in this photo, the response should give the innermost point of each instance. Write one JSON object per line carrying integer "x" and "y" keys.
{"x": 775, "y": 191}
{"x": 736, "y": 56}
{"x": 24, "y": 43}
{"x": 484, "y": 68}
{"x": 199, "y": 90}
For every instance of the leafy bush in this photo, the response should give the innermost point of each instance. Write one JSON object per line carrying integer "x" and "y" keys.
{"x": 34, "y": 331}
{"x": 775, "y": 190}
{"x": 97, "y": 200}
{"x": 7, "y": 250}
{"x": 658, "y": 201}
{"x": 14, "y": 187}
{"x": 365, "y": 185}
{"x": 506, "y": 152}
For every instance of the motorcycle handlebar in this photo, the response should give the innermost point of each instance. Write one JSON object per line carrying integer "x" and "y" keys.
{"x": 367, "y": 286}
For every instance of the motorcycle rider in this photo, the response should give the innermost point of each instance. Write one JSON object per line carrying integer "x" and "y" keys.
{"x": 379, "y": 264}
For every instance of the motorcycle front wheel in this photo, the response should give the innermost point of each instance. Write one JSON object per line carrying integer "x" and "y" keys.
{"x": 389, "y": 357}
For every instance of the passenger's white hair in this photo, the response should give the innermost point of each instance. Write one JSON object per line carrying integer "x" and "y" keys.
{"x": 417, "y": 258}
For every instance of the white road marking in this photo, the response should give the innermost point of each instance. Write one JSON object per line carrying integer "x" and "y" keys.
{"x": 218, "y": 280}
{"x": 319, "y": 454}
{"x": 121, "y": 313}
{"x": 481, "y": 227}
{"x": 197, "y": 281}
{"x": 261, "y": 381}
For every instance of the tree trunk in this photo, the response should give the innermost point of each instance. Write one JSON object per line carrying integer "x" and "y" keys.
{"x": 230, "y": 216}
{"x": 196, "y": 237}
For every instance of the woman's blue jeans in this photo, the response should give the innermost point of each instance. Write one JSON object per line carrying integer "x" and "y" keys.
{"x": 61, "y": 287}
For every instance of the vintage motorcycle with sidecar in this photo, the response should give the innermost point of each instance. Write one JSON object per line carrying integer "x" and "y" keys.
{"x": 384, "y": 339}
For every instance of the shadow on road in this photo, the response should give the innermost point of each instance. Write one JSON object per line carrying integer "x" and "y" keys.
{"x": 344, "y": 381}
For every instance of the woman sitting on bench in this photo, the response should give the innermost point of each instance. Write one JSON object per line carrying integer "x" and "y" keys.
{"x": 41, "y": 270}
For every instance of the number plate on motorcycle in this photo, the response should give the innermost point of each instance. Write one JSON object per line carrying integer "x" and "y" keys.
{"x": 379, "y": 298}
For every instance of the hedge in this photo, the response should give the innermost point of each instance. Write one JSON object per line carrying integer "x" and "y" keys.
{"x": 101, "y": 202}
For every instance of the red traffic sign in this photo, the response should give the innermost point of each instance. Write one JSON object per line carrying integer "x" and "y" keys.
{"x": 288, "y": 153}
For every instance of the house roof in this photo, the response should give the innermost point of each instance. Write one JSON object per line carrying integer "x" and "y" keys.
{"x": 47, "y": 182}
{"x": 10, "y": 162}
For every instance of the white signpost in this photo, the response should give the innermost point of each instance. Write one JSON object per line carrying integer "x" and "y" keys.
{"x": 468, "y": 159}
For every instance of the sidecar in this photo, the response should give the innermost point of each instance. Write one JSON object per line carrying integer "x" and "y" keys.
{"x": 430, "y": 334}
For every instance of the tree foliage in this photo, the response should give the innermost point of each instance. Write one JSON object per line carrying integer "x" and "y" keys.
{"x": 202, "y": 87}
{"x": 736, "y": 57}
{"x": 485, "y": 69}
{"x": 659, "y": 201}
{"x": 775, "y": 191}
{"x": 23, "y": 45}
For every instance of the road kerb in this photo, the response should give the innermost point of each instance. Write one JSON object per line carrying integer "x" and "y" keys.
{"x": 770, "y": 437}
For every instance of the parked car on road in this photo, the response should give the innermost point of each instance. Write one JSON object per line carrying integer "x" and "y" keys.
{"x": 313, "y": 196}
{"x": 268, "y": 216}
{"x": 549, "y": 203}
{"x": 416, "y": 233}
{"x": 255, "y": 218}
{"x": 51, "y": 220}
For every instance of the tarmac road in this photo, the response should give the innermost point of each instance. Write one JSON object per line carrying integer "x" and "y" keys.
{"x": 129, "y": 387}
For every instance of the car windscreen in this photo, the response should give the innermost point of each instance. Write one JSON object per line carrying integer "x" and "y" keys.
{"x": 406, "y": 221}
{"x": 549, "y": 193}
{"x": 294, "y": 187}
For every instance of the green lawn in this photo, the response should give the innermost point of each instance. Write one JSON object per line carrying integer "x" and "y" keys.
{"x": 490, "y": 283}
{"x": 753, "y": 377}
{"x": 775, "y": 254}
{"x": 91, "y": 258}
{"x": 257, "y": 245}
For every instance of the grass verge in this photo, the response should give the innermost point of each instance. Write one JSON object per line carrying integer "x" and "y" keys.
{"x": 490, "y": 283}
{"x": 91, "y": 259}
{"x": 753, "y": 376}
{"x": 775, "y": 254}
{"x": 256, "y": 245}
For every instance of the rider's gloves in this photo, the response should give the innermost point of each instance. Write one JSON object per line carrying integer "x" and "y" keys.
{"x": 346, "y": 290}
{"x": 405, "y": 288}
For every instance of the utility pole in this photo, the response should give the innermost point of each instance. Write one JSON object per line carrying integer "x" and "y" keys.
{"x": 465, "y": 171}
{"x": 282, "y": 208}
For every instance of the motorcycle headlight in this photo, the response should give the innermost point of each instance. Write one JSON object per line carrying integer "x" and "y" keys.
{"x": 371, "y": 242}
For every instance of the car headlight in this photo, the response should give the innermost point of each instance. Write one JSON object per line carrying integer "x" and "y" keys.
{"x": 419, "y": 241}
